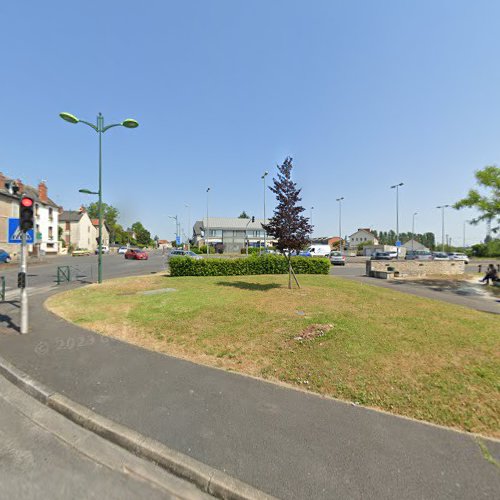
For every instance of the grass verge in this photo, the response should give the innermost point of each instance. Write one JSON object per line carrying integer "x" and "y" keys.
{"x": 408, "y": 355}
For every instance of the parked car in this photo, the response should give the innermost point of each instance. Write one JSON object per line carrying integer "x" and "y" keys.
{"x": 105, "y": 249}
{"x": 184, "y": 253}
{"x": 337, "y": 259}
{"x": 440, "y": 256}
{"x": 80, "y": 252}
{"x": 136, "y": 253}
{"x": 381, "y": 256}
{"x": 122, "y": 250}
{"x": 418, "y": 255}
{"x": 4, "y": 256}
{"x": 458, "y": 256}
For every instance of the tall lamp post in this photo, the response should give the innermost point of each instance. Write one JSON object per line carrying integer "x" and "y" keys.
{"x": 311, "y": 220}
{"x": 413, "y": 229}
{"x": 207, "y": 228}
{"x": 397, "y": 186}
{"x": 442, "y": 207}
{"x": 100, "y": 128}
{"x": 340, "y": 222}
{"x": 189, "y": 225}
{"x": 263, "y": 177}
{"x": 176, "y": 226}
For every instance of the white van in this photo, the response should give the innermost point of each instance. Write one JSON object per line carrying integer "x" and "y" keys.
{"x": 319, "y": 250}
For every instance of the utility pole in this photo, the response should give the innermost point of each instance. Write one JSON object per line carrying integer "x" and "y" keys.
{"x": 397, "y": 186}
{"x": 263, "y": 177}
{"x": 207, "y": 231}
{"x": 340, "y": 222}
{"x": 189, "y": 231}
{"x": 442, "y": 207}
{"x": 413, "y": 230}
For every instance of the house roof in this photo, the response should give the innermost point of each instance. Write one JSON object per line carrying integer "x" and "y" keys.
{"x": 415, "y": 244}
{"x": 364, "y": 230}
{"x": 28, "y": 190}
{"x": 231, "y": 223}
{"x": 95, "y": 223}
{"x": 70, "y": 216}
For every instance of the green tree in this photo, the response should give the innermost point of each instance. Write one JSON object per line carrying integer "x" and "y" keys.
{"x": 110, "y": 215}
{"x": 243, "y": 215}
{"x": 487, "y": 204}
{"x": 142, "y": 235}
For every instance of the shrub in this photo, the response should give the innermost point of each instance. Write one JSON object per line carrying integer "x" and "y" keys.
{"x": 251, "y": 251}
{"x": 269, "y": 264}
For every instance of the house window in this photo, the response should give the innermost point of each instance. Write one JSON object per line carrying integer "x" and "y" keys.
{"x": 51, "y": 233}
{"x": 37, "y": 209}
{"x": 51, "y": 215}
{"x": 68, "y": 226}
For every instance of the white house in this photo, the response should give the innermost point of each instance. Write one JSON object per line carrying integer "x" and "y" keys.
{"x": 46, "y": 214}
{"x": 362, "y": 235}
{"x": 78, "y": 230}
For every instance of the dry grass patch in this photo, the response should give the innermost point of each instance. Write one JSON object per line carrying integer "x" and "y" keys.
{"x": 413, "y": 356}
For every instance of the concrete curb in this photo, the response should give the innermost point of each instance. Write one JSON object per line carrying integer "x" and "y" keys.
{"x": 208, "y": 479}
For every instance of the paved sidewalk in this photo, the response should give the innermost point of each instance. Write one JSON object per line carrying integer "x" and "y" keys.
{"x": 285, "y": 442}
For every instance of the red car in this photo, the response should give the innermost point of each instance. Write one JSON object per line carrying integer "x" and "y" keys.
{"x": 135, "y": 253}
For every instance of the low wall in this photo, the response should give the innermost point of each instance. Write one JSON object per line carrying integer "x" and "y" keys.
{"x": 415, "y": 267}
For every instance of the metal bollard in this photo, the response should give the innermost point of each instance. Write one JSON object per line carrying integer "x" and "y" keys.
{"x": 479, "y": 268}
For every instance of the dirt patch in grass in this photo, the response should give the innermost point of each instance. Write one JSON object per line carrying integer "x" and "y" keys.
{"x": 413, "y": 356}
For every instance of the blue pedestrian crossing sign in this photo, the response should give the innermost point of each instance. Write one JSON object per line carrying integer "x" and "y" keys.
{"x": 15, "y": 234}
{"x": 177, "y": 240}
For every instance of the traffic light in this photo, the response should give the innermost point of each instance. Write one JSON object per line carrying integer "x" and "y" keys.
{"x": 21, "y": 280}
{"x": 253, "y": 218}
{"x": 26, "y": 214}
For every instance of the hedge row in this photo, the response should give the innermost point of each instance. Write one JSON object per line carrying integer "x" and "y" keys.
{"x": 269, "y": 264}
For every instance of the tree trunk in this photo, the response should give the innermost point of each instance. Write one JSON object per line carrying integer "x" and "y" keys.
{"x": 289, "y": 272}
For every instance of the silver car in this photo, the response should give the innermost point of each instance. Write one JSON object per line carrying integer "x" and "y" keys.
{"x": 419, "y": 255}
{"x": 337, "y": 259}
{"x": 458, "y": 256}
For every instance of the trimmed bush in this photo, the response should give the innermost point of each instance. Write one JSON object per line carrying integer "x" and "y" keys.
{"x": 268, "y": 264}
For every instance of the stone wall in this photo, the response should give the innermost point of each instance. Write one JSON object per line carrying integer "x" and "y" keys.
{"x": 414, "y": 267}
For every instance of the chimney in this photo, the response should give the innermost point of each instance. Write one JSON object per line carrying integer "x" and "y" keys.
{"x": 42, "y": 192}
{"x": 21, "y": 186}
{"x": 2, "y": 180}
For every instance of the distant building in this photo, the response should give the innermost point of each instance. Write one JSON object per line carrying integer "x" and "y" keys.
{"x": 46, "y": 215}
{"x": 105, "y": 231}
{"x": 229, "y": 233}
{"x": 362, "y": 235}
{"x": 415, "y": 245}
{"x": 78, "y": 230}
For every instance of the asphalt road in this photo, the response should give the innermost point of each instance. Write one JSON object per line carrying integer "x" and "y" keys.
{"x": 44, "y": 455}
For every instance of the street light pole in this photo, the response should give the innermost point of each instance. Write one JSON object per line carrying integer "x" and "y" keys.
{"x": 413, "y": 230}
{"x": 176, "y": 226}
{"x": 189, "y": 225}
{"x": 263, "y": 177}
{"x": 100, "y": 129}
{"x": 397, "y": 186}
{"x": 442, "y": 207}
{"x": 340, "y": 222}
{"x": 207, "y": 228}
{"x": 311, "y": 221}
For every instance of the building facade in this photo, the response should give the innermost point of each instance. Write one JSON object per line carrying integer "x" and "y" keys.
{"x": 362, "y": 236}
{"x": 231, "y": 234}
{"x": 78, "y": 230}
{"x": 45, "y": 210}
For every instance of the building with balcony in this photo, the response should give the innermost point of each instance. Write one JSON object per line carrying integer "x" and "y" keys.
{"x": 230, "y": 234}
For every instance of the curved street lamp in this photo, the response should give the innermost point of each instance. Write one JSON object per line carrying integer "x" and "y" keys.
{"x": 100, "y": 128}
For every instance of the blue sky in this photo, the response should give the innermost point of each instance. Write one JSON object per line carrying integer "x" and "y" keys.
{"x": 361, "y": 94}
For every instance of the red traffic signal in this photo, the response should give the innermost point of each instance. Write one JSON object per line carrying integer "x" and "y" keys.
{"x": 26, "y": 214}
{"x": 26, "y": 202}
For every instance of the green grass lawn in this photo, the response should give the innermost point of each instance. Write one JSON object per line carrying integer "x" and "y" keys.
{"x": 412, "y": 356}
